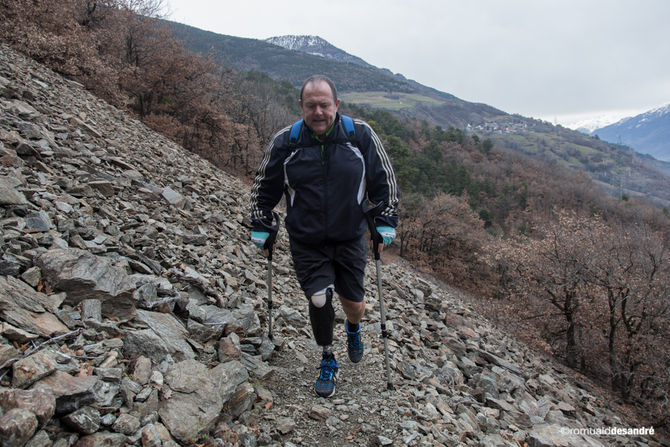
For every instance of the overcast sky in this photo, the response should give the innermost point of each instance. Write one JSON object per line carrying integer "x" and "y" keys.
{"x": 557, "y": 60}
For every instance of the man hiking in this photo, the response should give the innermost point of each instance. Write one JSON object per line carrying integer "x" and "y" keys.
{"x": 327, "y": 166}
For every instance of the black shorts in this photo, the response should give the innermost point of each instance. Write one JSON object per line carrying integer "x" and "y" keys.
{"x": 341, "y": 264}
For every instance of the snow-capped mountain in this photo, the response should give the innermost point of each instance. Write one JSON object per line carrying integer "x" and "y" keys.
{"x": 648, "y": 133}
{"x": 316, "y": 46}
{"x": 587, "y": 124}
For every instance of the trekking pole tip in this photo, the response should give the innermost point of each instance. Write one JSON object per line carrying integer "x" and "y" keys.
{"x": 389, "y": 386}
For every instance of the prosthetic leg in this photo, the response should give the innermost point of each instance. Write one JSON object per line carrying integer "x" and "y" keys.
{"x": 322, "y": 316}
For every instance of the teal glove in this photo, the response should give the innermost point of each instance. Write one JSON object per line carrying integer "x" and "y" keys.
{"x": 387, "y": 234}
{"x": 259, "y": 238}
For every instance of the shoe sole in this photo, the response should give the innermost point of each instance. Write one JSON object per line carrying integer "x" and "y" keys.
{"x": 325, "y": 395}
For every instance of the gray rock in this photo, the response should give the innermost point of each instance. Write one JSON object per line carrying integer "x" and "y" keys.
{"x": 83, "y": 275}
{"x": 536, "y": 410}
{"x": 86, "y": 420}
{"x": 104, "y": 186}
{"x": 217, "y": 317}
{"x": 7, "y": 351}
{"x": 17, "y": 426}
{"x": 9, "y": 195}
{"x": 257, "y": 367}
{"x": 383, "y": 440}
{"x": 18, "y": 335}
{"x": 145, "y": 394}
{"x": 451, "y": 374}
{"x": 147, "y": 343}
{"x": 91, "y": 309}
{"x": 173, "y": 197}
{"x": 170, "y": 330}
{"x": 291, "y": 317}
{"x": 25, "y": 308}
{"x": 71, "y": 392}
{"x": 30, "y": 369}
{"x": 195, "y": 402}
{"x": 247, "y": 319}
{"x": 142, "y": 370}
{"x": 203, "y": 333}
{"x": 39, "y": 402}
{"x": 151, "y": 436}
{"x": 11, "y": 265}
{"x": 492, "y": 358}
{"x": 242, "y": 400}
{"x": 266, "y": 349}
{"x": 489, "y": 384}
{"x": 41, "y": 439}
{"x": 39, "y": 221}
{"x": 126, "y": 424}
{"x": 103, "y": 439}
{"x": 109, "y": 374}
{"x": 285, "y": 425}
{"x": 32, "y": 276}
{"x": 229, "y": 348}
{"x": 319, "y": 412}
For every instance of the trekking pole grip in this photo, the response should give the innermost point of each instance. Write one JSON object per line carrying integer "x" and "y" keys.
{"x": 370, "y": 213}
{"x": 272, "y": 238}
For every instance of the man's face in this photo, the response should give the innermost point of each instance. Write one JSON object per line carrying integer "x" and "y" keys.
{"x": 318, "y": 107}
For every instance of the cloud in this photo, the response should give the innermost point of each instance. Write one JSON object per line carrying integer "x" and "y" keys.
{"x": 533, "y": 57}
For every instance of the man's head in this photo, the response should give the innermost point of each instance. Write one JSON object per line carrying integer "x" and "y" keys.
{"x": 319, "y": 103}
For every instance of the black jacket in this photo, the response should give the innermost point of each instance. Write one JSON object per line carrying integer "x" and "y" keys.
{"x": 325, "y": 184}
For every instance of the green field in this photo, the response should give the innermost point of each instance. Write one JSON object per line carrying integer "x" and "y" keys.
{"x": 389, "y": 101}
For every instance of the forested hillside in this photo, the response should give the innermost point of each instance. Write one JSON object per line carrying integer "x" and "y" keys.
{"x": 548, "y": 253}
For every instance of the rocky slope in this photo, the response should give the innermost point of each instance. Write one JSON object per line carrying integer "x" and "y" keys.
{"x": 133, "y": 312}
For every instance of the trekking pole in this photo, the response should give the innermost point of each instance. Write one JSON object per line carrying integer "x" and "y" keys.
{"x": 269, "y": 246}
{"x": 376, "y": 240}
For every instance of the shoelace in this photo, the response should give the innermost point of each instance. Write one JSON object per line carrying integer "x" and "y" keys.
{"x": 327, "y": 369}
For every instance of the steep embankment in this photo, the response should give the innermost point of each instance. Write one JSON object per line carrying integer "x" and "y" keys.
{"x": 133, "y": 311}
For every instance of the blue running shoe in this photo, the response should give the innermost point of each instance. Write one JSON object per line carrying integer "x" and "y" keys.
{"x": 355, "y": 347}
{"x": 325, "y": 384}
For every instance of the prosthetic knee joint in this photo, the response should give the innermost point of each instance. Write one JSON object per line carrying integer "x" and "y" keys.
{"x": 322, "y": 316}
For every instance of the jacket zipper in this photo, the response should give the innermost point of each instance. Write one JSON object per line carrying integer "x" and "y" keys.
{"x": 324, "y": 164}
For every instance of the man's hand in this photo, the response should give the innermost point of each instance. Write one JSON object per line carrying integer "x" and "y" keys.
{"x": 387, "y": 234}
{"x": 259, "y": 238}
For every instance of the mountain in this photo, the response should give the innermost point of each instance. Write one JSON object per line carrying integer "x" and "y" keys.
{"x": 648, "y": 132}
{"x": 373, "y": 87}
{"x": 316, "y": 46}
{"x": 359, "y": 83}
{"x": 132, "y": 312}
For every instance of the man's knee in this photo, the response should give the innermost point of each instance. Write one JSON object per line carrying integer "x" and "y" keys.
{"x": 320, "y": 298}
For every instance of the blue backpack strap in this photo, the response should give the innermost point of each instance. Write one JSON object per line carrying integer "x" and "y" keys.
{"x": 295, "y": 132}
{"x": 349, "y": 126}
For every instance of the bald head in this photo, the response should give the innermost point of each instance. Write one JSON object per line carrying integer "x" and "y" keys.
{"x": 318, "y": 79}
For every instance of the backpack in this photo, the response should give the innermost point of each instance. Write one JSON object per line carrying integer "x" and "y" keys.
{"x": 346, "y": 121}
